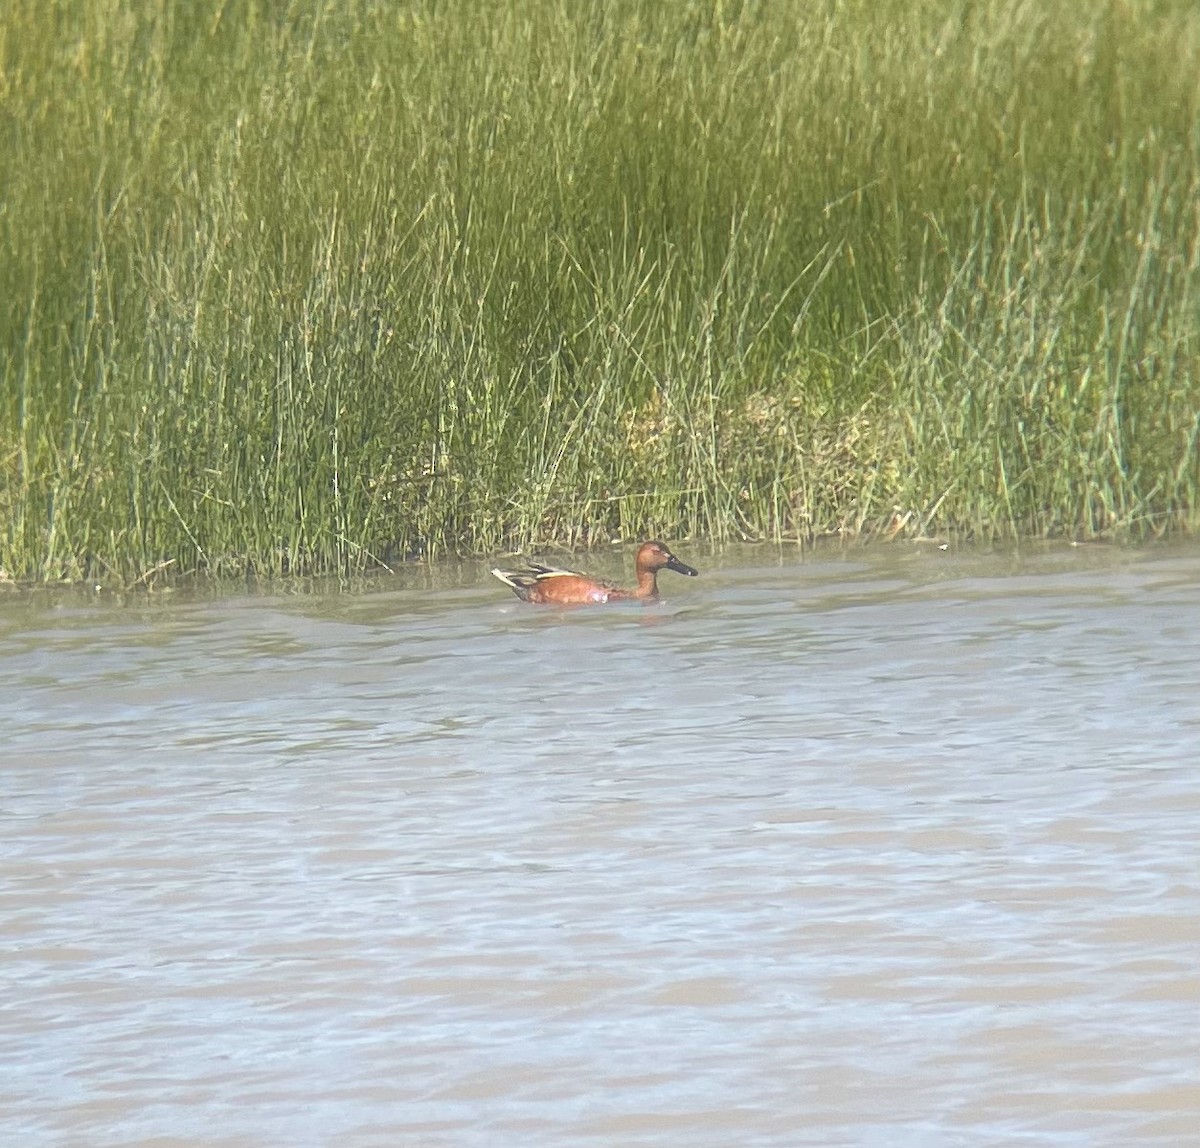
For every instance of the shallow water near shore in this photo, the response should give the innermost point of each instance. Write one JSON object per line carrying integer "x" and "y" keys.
{"x": 885, "y": 846}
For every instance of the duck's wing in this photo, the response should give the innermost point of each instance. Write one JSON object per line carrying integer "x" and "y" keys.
{"x": 540, "y": 570}
{"x": 531, "y": 574}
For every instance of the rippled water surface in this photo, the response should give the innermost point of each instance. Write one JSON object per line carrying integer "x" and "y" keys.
{"x": 894, "y": 847}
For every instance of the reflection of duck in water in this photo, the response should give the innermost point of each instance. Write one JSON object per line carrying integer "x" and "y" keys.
{"x": 547, "y": 585}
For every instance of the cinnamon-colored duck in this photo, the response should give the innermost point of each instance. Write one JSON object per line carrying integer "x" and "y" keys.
{"x": 548, "y": 585}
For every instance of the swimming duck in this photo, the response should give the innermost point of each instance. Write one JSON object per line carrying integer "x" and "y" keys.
{"x": 548, "y": 585}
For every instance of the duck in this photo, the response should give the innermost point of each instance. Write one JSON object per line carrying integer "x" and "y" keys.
{"x": 551, "y": 586}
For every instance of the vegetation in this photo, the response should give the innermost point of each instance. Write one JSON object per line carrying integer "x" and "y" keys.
{"x": 307, "y": 285}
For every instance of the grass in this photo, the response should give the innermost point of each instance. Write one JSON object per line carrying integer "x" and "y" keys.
{"x": 311, "y": 287}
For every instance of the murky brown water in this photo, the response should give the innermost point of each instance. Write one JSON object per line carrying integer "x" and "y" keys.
{"x": 894, "y": 848}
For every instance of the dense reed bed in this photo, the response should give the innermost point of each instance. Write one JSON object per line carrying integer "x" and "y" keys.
{"x": 313, "y": 286}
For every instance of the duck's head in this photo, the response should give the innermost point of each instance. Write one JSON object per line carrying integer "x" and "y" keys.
{"x": 654, "y": 556}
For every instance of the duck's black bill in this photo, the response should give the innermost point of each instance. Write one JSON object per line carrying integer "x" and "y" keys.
{"x": 673, "y": 563}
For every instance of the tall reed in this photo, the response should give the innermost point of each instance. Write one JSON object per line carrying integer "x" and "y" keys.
{"x": 315, "y": 287}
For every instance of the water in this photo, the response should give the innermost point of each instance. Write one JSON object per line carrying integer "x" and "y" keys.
{"x": 890, "y": 847}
